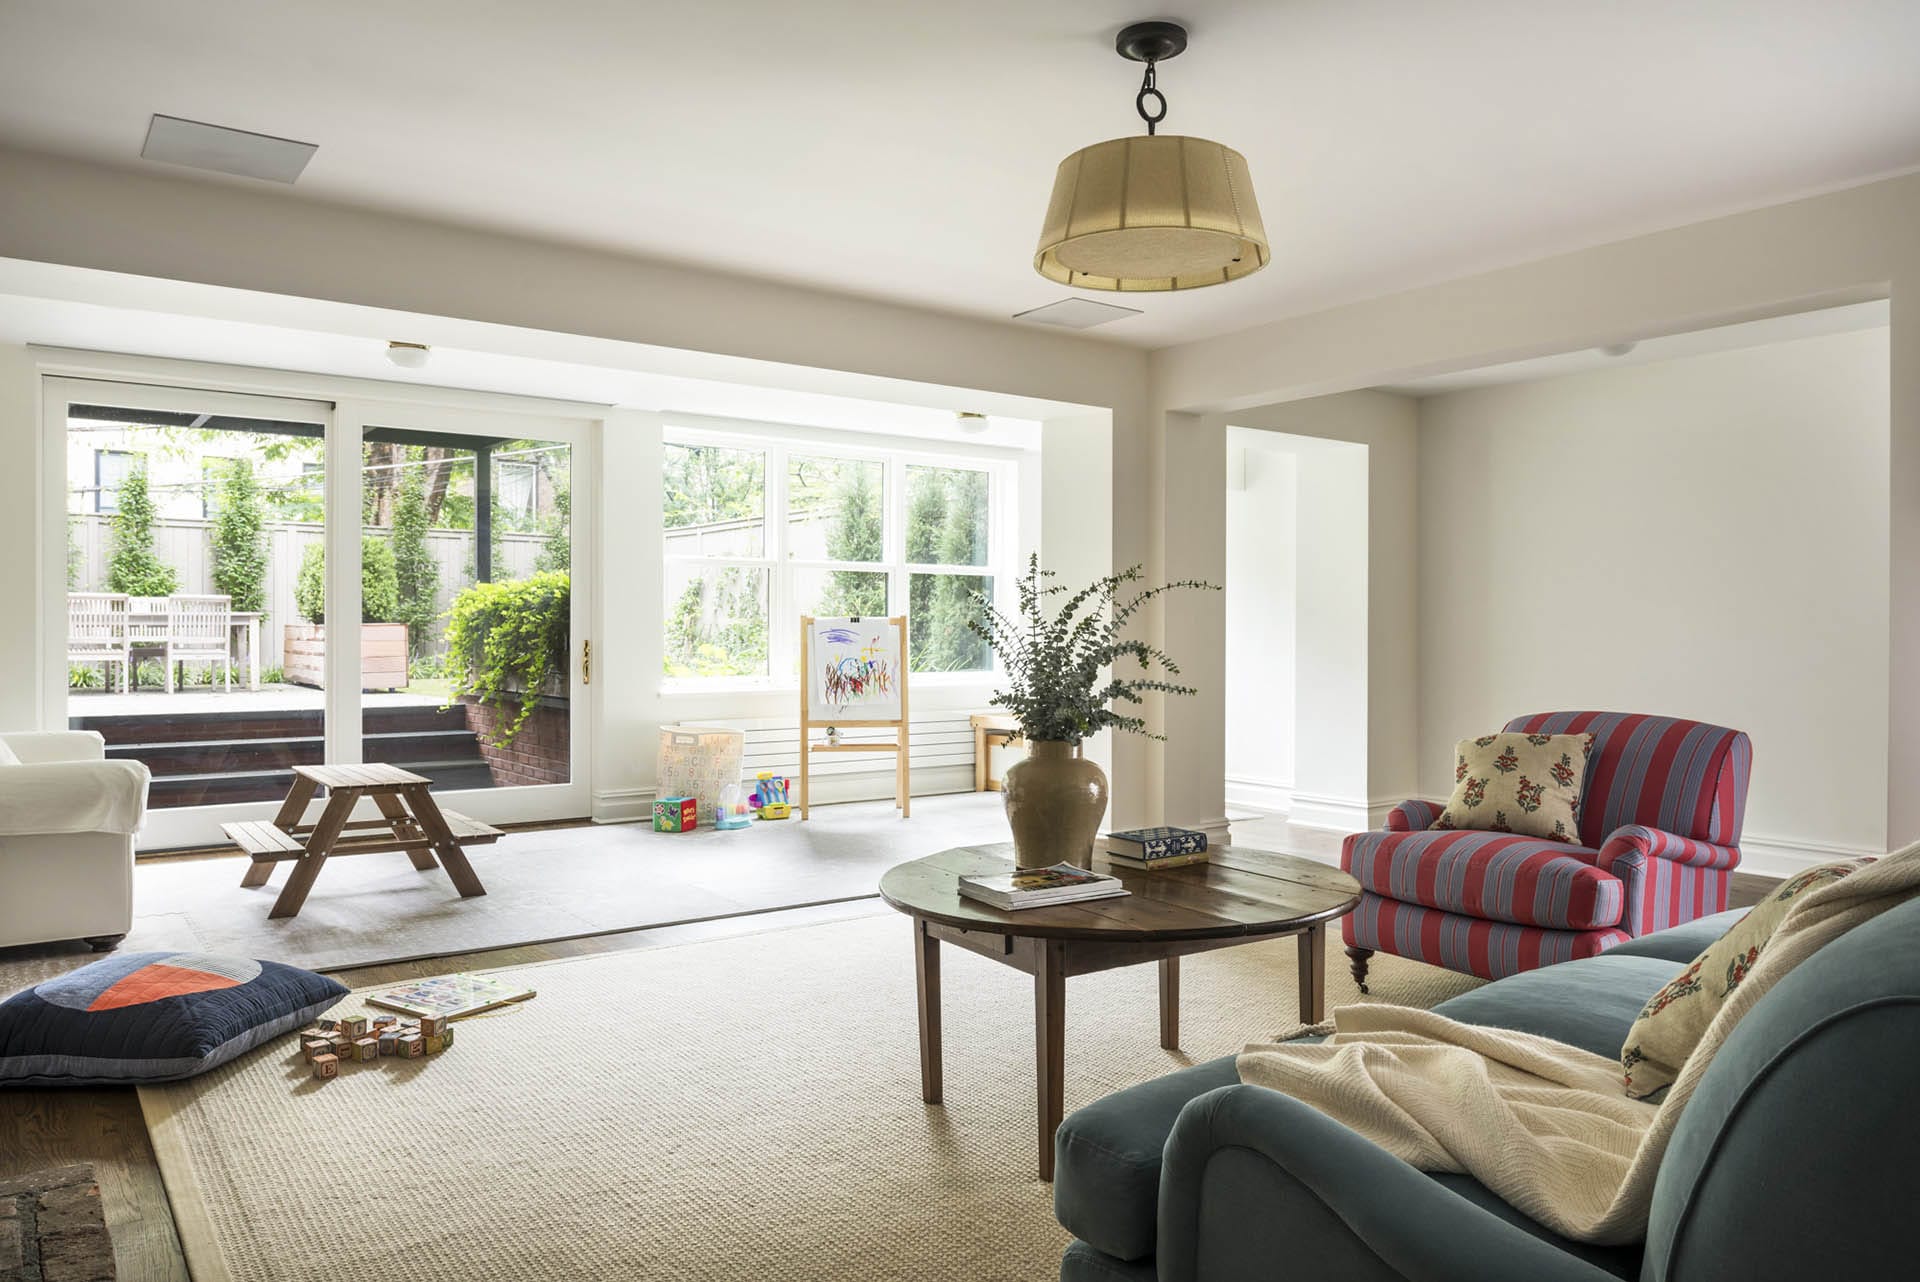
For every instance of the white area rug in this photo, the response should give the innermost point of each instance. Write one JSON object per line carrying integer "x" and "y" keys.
{"x": 748, "y": 1108}
{"x": 543, "y": 885}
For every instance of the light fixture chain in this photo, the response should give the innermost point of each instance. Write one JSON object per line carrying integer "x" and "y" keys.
{"x": 1147, "y": 87}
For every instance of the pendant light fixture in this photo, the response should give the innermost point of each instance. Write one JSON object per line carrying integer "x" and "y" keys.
{"x": 1150, "y": 213}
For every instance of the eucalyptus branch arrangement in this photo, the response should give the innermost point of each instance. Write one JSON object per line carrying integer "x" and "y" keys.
{"x": 1056, "y": 652}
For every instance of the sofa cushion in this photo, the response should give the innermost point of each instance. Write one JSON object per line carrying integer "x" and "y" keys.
{"x": 1106, "y": 1165}
{"x": 1589, "y": 1003}
{"x": 1493, "y": 876}
{"x": 152, "y": 1017}
{"x": 1684, "y": 942}
{"x": 1524, "y": 783}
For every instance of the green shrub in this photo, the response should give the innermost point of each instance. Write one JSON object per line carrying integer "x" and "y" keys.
{"x": 239, "y": 541}
{"x": 507, "y": 640}
{"x": 133, "y": 567}
{"x": 379, "y": 585}
{"x": 82, "y": 676}
{"x": 416, "y": 573}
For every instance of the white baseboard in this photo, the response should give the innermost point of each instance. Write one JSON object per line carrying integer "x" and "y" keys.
{"x": 1785, "y": 856}
{"x": 1340, "y": 814}
{"x": 1267, "y": 796}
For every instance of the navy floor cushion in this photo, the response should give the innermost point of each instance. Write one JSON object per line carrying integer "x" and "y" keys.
{"x": 152, "y": 1017}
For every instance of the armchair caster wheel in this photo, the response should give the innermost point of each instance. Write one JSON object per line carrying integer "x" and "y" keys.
{"x": 104, "y": 943}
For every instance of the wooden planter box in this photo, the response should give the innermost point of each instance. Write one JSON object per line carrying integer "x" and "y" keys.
{"x": 383, "y": 655}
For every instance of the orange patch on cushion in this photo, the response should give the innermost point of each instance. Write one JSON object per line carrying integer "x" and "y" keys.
{"x": 152, "y": 983}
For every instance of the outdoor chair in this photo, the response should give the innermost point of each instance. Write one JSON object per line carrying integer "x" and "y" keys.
{"x": 97, "y": 633}
{"x": 199, "y": 630}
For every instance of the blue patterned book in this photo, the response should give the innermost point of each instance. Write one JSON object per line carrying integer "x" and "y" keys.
{"x": 1156, "y": 843}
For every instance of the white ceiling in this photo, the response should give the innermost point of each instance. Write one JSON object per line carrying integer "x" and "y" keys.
{"x": 903, "y": 149}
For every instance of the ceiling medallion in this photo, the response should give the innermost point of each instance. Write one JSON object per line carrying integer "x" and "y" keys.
{"x": 1155, "y": 213}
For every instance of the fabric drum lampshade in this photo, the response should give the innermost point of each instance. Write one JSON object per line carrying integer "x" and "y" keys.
{"x": 1150, "y": 214}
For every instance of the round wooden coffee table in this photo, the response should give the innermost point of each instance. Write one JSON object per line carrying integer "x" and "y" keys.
{"x": 1239, "y": 896}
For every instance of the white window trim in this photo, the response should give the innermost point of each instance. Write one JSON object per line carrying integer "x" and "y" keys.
{"x": 779, "y": 443}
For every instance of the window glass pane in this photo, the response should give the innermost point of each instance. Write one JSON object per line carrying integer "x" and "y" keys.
{"x": 716, "y": 621}
{"x": 715, "y": 501}
{"x": 938, "y": 609}
{"x": 835, "y": 511}
{"x": 946, "y": 516}
{"x": 433, "y": 574}
{"x": 186, "y": 648}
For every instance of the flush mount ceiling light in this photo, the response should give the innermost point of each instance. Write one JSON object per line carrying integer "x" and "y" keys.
{"x": 970, "y": 420}
{"x": 407, "y": 355}
{"x": 1152, "y": 213}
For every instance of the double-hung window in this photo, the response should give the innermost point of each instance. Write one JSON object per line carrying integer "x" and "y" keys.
{"x": 761, "y": 531}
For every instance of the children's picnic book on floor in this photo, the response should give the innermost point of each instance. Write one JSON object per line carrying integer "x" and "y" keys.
{"x": 451, "y": 996}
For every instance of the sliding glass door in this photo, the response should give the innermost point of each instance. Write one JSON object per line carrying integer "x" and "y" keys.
{"x": 214, "y": 611}
{"x": 185, "y": 518}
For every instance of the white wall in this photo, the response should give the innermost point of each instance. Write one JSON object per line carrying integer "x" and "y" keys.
{"x": 1357, "y": 627}
{"x": 1262, "y": 537}
{"x": 1705, "y": 537}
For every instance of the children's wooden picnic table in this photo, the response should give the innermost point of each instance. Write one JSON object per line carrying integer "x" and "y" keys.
{"x": 410, "y": 821}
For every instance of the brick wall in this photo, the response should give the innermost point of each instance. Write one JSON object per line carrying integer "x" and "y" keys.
{"x": 540, "y": 753}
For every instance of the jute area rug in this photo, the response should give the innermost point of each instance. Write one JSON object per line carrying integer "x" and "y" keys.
{"x": 747, "y": 1108}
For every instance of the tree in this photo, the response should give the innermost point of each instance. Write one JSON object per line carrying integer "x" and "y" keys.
{"x": 239, "y": 538}
{"x": 947, "y": 643}
{"x": 556, "y": 553}
{"x": 133, "y": 567}
{"x": 855, "y": 534}
{"x": 416, "y": 573}
{"x": 379, "y": 584}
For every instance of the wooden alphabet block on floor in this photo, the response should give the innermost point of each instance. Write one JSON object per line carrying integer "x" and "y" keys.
{"x": 366, "y": 1048}
{"x": 383, "y": 1022}
{"x": 342, "y": 1047}
{"x": 412, "y": 1046}
{"x": 435, "y": 1043}
{"x": 354, "y": 1027}
{"x": 314, "y": 1046}
{"x": 389, "y": 1042}
{"x": 432, "y": 1025}
{"x": 325, "y": 1066}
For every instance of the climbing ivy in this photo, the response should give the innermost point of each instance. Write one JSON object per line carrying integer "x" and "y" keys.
{"x": 505, "y": 641}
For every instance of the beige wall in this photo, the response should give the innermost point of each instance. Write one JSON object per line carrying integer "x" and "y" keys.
{"x": 1703, "y": 537}
{"x": 1850, "y": 245}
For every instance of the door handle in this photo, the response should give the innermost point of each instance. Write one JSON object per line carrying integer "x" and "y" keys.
{"x": 586, "y": 663}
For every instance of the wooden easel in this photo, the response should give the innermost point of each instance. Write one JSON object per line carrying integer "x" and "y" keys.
{"x": 902, "y": 778}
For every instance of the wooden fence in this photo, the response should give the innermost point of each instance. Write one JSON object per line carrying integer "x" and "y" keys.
{"x": 187, "y": 546}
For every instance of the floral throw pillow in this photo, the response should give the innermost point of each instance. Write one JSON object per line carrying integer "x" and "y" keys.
{"x": 1674, "y": 1019}
{"x": 1521, "y": 783}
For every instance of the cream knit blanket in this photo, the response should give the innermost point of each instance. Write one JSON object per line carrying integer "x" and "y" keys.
{"x": 1544, "y": 1125}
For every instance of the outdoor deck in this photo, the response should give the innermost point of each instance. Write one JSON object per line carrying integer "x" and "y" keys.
{"x": 207, "y": 747}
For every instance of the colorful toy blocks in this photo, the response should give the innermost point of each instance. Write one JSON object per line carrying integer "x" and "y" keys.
{"x": 383, "y": 1022}
{"x": 366, "y": 1048}
{"x": 325, "y": 1066}
{"x": 389, "y": 1042}
{"x": 412, "y": 1046}
{"x": 354, "y": 1027}
{"x": 676, "y": 814}
{"x": 341, "y": 1047}
{"x": 447, "y": 1036}
{"x": 326, "y": 1025}
{"x": 435, "y": 1042}
{"x": 312, "y": 1046}
{"x": 433, "y": 1025}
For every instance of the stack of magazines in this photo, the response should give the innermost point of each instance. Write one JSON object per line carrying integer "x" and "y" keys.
{"x": 1041, "y": 887}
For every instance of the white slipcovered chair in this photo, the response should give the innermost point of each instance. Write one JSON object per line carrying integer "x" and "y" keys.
{"x": 67, "y": 822}
{"x": 198, "y": 632}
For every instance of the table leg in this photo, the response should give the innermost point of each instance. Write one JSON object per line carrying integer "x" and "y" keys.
{"x": 403, "y": 826}
{"x": 926, "y": 976}
{"x": 1049, "y": 1042}
{"x": 306, "y": 869}
{"x": 1313, "y": 974}
{"x": 1170, "y": 1003}
{"x": 979, "y": 759}
{"x": 294, "y": 808}
{"x": 257, "y": 874}
{"x": 426, "y": 811}
{"x": 253, "y": 654}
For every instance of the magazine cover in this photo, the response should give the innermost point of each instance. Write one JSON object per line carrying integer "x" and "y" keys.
{"x": 1027, "y": 880}
{"x": 450, "y": 996}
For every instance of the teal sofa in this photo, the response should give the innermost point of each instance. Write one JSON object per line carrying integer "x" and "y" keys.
{"x": 1794, "y": 1159}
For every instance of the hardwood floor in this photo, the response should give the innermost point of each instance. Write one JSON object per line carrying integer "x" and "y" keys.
{"x": 105, "y": 1127}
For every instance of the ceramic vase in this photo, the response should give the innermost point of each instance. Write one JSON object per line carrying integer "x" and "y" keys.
{"x": 1055, "y": 799}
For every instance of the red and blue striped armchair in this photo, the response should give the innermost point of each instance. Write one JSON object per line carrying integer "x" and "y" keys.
{"x": 1660, "y": 816}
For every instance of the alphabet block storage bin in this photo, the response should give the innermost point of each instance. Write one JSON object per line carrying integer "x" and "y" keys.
{"x": 699, "y": 762}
